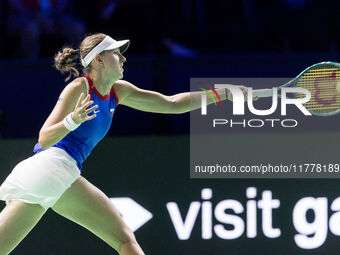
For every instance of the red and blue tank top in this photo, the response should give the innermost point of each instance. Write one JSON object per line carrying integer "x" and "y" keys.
{"x": 80, "y": 142}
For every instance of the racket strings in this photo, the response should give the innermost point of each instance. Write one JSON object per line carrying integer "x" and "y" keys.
{"x": 323, "y": 82}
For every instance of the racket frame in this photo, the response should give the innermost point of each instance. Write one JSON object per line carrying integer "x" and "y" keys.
{"x": 269, "y": 92}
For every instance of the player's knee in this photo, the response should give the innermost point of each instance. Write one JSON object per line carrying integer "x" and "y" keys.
{"x": 126, "y": 237}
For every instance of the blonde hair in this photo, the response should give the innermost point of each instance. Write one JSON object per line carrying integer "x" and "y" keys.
{"x": 67, "y": 60}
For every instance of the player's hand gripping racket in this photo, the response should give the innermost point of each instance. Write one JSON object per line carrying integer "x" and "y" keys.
{"x": 322, "y": 80}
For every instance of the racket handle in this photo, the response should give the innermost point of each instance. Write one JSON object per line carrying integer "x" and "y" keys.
{"x": 262, "y": 93}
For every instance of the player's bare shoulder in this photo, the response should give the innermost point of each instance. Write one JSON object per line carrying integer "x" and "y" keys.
{"x": 123, "y": 89}
{"x": 74, "y": 88}
{"x": 78, "y": 85}
{"x": 122, "y": 85}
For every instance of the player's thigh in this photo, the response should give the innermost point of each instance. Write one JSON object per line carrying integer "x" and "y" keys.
{"x": 16, "y": 221}
{"x": 88, "y": 206}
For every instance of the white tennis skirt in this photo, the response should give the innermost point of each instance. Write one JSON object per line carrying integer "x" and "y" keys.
{"x": 41, "y": 179}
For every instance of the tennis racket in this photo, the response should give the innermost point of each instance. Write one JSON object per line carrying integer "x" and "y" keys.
{"x": 322, "y": 80}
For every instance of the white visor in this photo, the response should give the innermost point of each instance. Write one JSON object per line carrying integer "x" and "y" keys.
{"x": 107, "y": 44}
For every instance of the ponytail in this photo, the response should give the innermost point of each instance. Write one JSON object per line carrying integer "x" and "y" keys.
{"x": 66, "y": 61}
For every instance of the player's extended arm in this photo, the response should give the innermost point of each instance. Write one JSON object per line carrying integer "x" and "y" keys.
{"x": 150, "y": 101}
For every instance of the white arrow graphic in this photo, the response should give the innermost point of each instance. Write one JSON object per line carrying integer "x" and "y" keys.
{"x": 132, "y": 213}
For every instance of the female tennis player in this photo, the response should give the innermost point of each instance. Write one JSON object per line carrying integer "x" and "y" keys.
{"x": 80, "y": 119}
